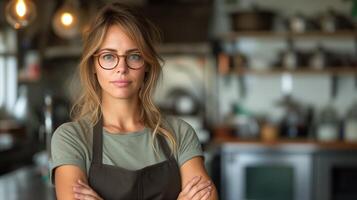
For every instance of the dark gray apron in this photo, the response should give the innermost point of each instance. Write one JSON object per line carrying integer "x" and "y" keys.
{"x": 158, "y": 181}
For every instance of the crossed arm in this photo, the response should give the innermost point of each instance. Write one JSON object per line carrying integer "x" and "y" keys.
{"x": 68, "y": 187}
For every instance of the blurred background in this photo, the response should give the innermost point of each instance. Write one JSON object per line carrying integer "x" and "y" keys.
{"x": 270, "y": 86}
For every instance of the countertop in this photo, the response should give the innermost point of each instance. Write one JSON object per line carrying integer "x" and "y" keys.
{"x": 292, "y": 145}
{"x": 25, "y": 183}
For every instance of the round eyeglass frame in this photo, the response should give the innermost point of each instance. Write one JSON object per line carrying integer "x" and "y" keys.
{"x": 118, "y": 59}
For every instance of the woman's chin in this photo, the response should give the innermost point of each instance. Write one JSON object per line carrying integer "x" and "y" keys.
{"x": 123, "y": 96}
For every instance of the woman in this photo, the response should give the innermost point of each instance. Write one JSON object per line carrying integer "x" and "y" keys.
{"x": 120, "y": 146}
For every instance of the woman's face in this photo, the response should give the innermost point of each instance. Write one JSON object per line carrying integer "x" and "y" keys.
{"x": 121, "y": 82}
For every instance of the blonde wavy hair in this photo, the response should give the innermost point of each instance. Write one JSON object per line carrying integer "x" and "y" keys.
{"x": 145, "y": 35}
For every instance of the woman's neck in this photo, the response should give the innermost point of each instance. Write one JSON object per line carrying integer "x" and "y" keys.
{"x": 121, "y": 115}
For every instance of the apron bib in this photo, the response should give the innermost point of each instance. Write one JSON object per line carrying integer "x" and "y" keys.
{"x": 158, "y": 181}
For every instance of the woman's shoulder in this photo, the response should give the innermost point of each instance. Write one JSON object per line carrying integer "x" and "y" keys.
{"x": 77, "y": 128}
{"x": 187, "y": 140}
{"x": 179, "y": 126}
{"x": 175, "y": 122}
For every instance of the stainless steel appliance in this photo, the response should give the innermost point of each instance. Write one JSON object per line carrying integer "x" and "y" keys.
{"x": 336, "y": 175}
{"x": 258, "y": 172}
{"x": 288, "y": 171}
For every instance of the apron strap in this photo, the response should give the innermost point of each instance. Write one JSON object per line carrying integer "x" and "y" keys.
{"x": 164, "y": 145}
{"x": 97, "y": 148}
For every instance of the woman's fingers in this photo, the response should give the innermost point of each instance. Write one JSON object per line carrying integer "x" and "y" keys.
{"x": 202, "y": 194}
{"x": 83, "y": 192}
{"x": 191, "y": 184}
{"x": 83, "y": 197}
{"x": 195, "y": 190}
{"x": 83, "y": 184}
{"x": 199, "y": 190}
{"x": 206, "y": 195}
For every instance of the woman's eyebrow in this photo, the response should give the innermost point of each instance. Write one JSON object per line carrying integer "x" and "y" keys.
{"x": 114, "y": 50}
{"x": 106, "y": 49}
{"x": 132, "y": 50}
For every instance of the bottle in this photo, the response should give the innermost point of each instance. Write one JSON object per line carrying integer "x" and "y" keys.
{"x": 246, "y": 125}
{"x": 318, "y": 58}
{"x": 293, "y": 124}
{"x": 297, "y": 23}
{"x": 20, "y": 110}
{"x": 350, "y": 125}
{"x": 290, "y": 58}
{"x": 328, "y": 21}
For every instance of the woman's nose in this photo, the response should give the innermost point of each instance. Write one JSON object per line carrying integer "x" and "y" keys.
{"x": 122, "y": 67}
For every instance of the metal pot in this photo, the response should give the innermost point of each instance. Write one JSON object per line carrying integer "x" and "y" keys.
{"x": 255, "y": 20}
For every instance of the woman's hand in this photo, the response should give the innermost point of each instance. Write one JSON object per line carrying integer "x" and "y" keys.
{"x": 83, "y": 192}
{"x": 195, "y": 191}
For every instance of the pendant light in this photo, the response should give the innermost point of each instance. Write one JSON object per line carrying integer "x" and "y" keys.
{"x": 66, "y": 20}
{"x": 20, "y": 13}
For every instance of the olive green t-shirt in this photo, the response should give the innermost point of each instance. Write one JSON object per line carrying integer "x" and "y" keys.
{"x": 71, "y": 144}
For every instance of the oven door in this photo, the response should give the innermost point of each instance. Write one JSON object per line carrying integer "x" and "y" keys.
{"x": 266, "y": 176}
{"x": 336, "y": 176}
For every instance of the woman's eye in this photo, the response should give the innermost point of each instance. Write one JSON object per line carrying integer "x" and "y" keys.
{"x": 108, "y": 57}
{"x": 134, "y": 57}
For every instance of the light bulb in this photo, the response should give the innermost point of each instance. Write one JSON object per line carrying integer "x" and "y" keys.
{"x": 21, "y": 8}
{"x": 65, "y": 22}
{"x": 66, "y": 19}
{"x": 20, "y": 13}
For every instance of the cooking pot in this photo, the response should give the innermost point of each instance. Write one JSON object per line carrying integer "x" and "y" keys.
{"x": 253, "y": 20}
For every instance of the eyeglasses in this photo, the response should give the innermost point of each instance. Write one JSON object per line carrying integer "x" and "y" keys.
{"x": 109, "y": 60}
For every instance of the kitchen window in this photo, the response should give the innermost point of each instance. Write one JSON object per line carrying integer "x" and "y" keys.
{"x": 8, "y": 69}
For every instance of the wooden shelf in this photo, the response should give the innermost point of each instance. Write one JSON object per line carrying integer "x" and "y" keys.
{"x": 284, "y": 35}
{"x": 27, "y": 80}
{"x": 165, "y": 48}
{"x": 301, "y": 70}
{"x": 64, "y": 51}
{"x": 184, "y": 48}
{"x": 340, "y": 145}
{"x": 5, "y": 54}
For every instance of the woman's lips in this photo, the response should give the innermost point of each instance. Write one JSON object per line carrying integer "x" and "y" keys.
{"x": 121, "y": 83}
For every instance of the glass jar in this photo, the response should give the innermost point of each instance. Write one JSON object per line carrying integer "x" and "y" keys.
{"x": 327, "y": 124}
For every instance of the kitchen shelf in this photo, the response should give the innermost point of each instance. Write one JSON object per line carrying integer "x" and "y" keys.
{"x": 164, "y": 48}
{"x": 4, "y": 54}
{"x": 64, "y": 51}
{"x": 274, "y": 34}
{"x": 184, "y": 48}
{"x": 336, "y": 145}
{"x": 301, "y": 71}
{"x": 27, "y": 80}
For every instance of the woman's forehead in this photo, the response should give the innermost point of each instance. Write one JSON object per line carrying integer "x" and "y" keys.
{"x": 118, "y": 40}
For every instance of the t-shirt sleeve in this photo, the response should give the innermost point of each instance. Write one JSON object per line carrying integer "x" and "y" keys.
{"x": 66, "y": 149}
{"x": 189, "y": 145}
